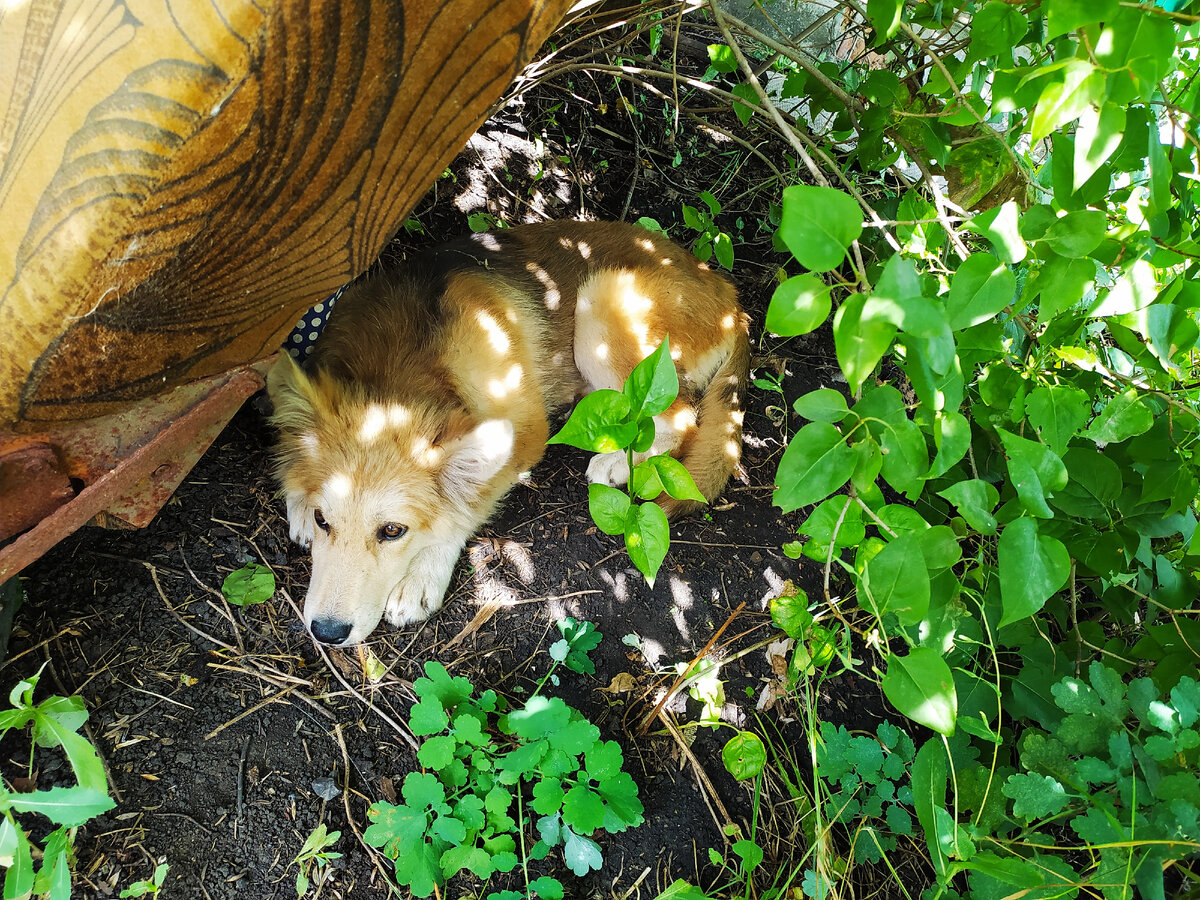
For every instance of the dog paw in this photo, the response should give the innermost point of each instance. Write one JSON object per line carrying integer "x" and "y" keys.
{"x": 609, "y": 468}
{"x": 412, "y": 603}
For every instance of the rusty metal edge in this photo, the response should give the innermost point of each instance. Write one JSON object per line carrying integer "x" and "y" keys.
{"x": 203, "y": 419}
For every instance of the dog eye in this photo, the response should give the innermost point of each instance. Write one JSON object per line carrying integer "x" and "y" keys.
{"x": 319, "y": 518}
{"x": 391, "y": 532}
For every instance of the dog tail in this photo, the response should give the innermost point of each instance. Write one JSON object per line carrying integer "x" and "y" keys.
{"x": 712, "y": 452}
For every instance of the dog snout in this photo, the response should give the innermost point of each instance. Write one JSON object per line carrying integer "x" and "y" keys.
{"x": 330, "y": 631}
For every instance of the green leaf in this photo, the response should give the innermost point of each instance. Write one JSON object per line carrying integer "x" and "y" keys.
{"x": 1033, "y": 567}
{"x": 799, "y": 305}
{"x": 975, "y": 501}
{"x": 722, "y": 243}
{"x": 1124, "y": 416}
{"x": 546, "y": 888}
{"x": 620, "y": 793}
{"x": 581, "y": 854}
{"x": 818, "y": 225}
{"x": 599, "y": 423}
{"x": 750, "y": 854}
{"x": 896, "y": 580}
{"x": 18, "y": 880}
{"x": 1035, "y": 796}
{"x": 1061, "y": 284}
{"x": 747, "y": 93}
{"x": 995, "y": 30}
{"x": 1000, "y": 225}
{"x": 929, "y": 800}
{"x": 583, "y": 809}
{"x": 1068, "y": 15}
{"x": 249, "y": 585}
{"x": 438, "y": 684}
{"x": 744, "y": 755}
{"x": 981, "y": 287}
{"x": 1070, "y": 87}
{"x": 428, "y": 717}
{"x": 609, "y": 508}
{"x": 885, "y": 18}
{"x": 721, "y": 58}
{"x": 437, "y": 752}
{"x": 921, "y": 687}
{"x": 860, "y": 339}
{"x": 1135, "y": 289}
{"x": 1096, "y": 139}
{"x": 644, "y": 483}
{"x": 905, "y": 456}
{"x": 790, "y": 615}
{"x": 85, "y": 763}
{"x": 836, "y": 521}
{"x": 70, "y": 806}
{"x": 1076, "y": 234}
{"x": 653, "y": 384}
{"x": 674, "y": 477}
{"x": 1057, "y": 411}
{"x": 815, "y": 464}
{"x": 952, "y": 437}
{"x": 1034, "y": 470}
{"x": 822, "y": 405}
{"x": 647, "y": 537}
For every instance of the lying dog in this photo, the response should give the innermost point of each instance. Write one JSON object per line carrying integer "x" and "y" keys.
{"x": 429, "y": 393}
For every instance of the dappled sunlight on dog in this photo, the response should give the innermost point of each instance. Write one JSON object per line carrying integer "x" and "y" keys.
{"x": 431, "y": 387}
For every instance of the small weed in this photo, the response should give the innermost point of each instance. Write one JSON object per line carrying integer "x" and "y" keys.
{"x": 151, "y": 887}
{"x": 711, "y": 241}
{"x": 314, "y": 856}
{"x": 55, "y": 722}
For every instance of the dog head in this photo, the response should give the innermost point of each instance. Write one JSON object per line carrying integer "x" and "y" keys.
{"x": 377, "y": 489}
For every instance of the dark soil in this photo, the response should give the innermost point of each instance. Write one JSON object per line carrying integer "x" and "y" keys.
{"x": 218, "y": 726}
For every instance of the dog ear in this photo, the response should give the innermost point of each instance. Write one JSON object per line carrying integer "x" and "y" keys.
{"x": 474, "y": 457}
{"x": 292, "y": 394}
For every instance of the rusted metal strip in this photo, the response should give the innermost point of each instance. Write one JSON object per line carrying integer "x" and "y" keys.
{"x": 147, "y": 450}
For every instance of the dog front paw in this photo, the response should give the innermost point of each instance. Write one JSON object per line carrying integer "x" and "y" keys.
{"x": 413, "y": 603}
{"x": 609, "y": 468}
{"x": 423, "y": 590}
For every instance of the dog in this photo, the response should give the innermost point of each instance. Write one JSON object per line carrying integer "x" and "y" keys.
{"x": 432, "y": 387}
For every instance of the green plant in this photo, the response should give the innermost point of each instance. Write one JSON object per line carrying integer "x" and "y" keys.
{"x": 152, "y": 887}
{"x": 867, "y": 776}
{"x": 314, "y": 856}
{"x": 607, "y": 421}
{"x": 1008, "y": 486}
{"x": 1116, "y": 764}
{"x": 494, "y": 771}
{"x": 54, "y": 722}
{"x": 249, "y": 585}
{"x": 711, "y": 239}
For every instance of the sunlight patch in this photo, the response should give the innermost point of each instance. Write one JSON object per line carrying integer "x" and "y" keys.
{"x": 496, "y": 336}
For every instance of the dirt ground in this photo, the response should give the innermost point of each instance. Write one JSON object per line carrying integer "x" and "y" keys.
{"x": 222, "y": 729}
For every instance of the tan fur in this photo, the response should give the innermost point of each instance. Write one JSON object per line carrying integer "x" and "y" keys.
{"x": 430, "y": 391}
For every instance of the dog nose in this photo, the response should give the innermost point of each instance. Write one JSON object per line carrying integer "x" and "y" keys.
{"x": 330, "y": 631}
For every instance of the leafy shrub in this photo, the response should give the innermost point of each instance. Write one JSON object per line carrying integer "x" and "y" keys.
{"x": 490, "y": 770}
{"x": 607, "y": 421}
{"x": 54, "y": 722}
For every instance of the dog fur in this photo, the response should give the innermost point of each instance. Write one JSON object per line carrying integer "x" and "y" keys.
{"x": 430, "y": 391}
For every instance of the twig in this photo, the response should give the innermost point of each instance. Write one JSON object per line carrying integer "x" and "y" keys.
{"x": 245, "y": 712}
{"x": 400, "y": 730}
{"x": 371, "y": 851}
{"x": 684, "y": 674}
{"x": 702, "y": 777}
{"x": 241, "y": 797}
